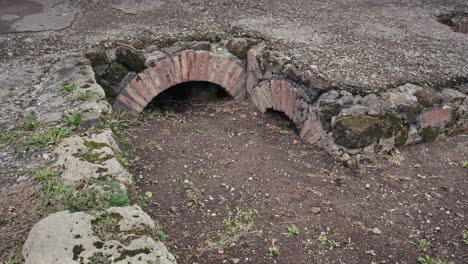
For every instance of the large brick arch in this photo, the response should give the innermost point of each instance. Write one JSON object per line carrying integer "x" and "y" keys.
{"x": 182, "y": 67}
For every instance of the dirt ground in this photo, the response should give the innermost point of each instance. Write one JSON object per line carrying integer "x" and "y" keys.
{"x": 201, "y": 161}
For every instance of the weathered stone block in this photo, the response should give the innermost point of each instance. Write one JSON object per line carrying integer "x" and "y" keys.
{"x": 357, "y": 131}
{"x": 132, "y": 58}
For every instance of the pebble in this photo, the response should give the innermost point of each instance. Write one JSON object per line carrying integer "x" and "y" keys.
{"x": 315, "y": 210}
{"x": 376, "y": 231}
{"x": 367, "y": 186}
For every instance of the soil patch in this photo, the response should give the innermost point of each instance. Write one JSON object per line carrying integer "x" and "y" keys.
{"x": 205, "y": 160}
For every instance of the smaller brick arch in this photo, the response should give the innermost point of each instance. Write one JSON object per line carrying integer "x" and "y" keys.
{"x": 279, "y": 95}
{"x": 182, "y": 67}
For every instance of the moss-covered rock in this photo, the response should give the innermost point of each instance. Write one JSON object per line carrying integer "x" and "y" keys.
{"x": 327, "y": 112}
{"x": 428, "y": 97}
{"x": 357, "y": 131}
{"x": 97, "y": 57}
{"x": 132, "y": 58}
{"x": 402, "y": 136}
{"x": 429, "y": 134}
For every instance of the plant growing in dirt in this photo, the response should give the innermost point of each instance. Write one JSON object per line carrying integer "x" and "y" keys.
{"x": 429, "y": 260}
{"x": 423, "y": 245}
{"x": 51, "y": 188}
{"x": 67, "y": 88}
{"x": 324, "y": 240}
{"x": 273, "y": 251}
{"x": 464, "y": 235}
{"x": 161, "y": 235}
{"x": 465, "y": 164}
{"x": 114, "y": 122}
{"x": 284, "y": 132}
{"x": 293, "y": 230}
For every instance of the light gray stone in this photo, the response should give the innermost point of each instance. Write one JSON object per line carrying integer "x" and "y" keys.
{"x": 66, "y": 237}
{"x": 76, "y": 168}
{"x": 154, "y": 57}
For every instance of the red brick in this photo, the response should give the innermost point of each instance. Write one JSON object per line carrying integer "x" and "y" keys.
{"x": 177, "y": 69}
{"x": 124, "y": 111}
{"x": 222, "y": 70}
{"x": 125, "y": 100}
{"x": 196, "y": 75}
{"x": 170, "y": 71}
{"x": 155, "y": 78}
{"x": 162, "y": 76}
{"x": 148, "y": 83}
{"x": 213, "y": 68}
{"x": 205, "y": 67}
{"x": 184, "y": 65}
{"x": 436, "y": 117}
{"x": 306, "y": 127}
{"x": 234, "y": 79}
{"x": 273, "y": 93}
{"x": 239, "y": 87}
{"x": 230, "y": 71}
{"x": 141, "y": 90}
{"x": 190, "y": 66}
{"x": 136, "y": 96}
{"x": 292, "y": 103}
{"x": 241, "y": 96}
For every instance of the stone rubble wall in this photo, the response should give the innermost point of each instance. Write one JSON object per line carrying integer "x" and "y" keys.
{"x": 353, "y": 125}
{"x": 117, "y": 234}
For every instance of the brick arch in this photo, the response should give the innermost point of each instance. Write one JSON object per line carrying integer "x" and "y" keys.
{"x": 277, "y": 94}
{"x": 182, "y": 67}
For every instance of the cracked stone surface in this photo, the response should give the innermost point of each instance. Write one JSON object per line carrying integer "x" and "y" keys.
{"x": 80, "y": 162}
{"x": 65, "y": 237}
{"x": 357, "y": 45}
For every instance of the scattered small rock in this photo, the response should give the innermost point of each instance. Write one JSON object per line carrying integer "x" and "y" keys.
{"x": 367, "y": 186}
{"x": 315, "y": 210}
{"x": 376, "y": 231}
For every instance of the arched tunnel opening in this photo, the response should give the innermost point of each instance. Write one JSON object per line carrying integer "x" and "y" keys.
{"x": 182, "y": 96}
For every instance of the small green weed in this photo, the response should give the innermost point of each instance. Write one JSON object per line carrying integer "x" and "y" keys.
{"x": 72, "y": 121}
{"x": 423, "y": 245}
{"x": 12, "y": 259}
{"x": 310, "y": 253}
{"x": 123, "y": 157}
{"x": 161, "y": 235}
{"x": 239, "y": 224}
{"x": 52, "y": 189}
{"x": 67, "y": 88}
{"x": 9, "y": 136}
{"x": 273, "y": 251}
{"x": 52, "y": 136}
{"x": 115, "y": 123}
{"x": 156, "y": 261}
{"x": 429, "y": 260}
{"x": 465, "y": 164}
{"x": 31, "y": 123}
{"x": 92, "y": 199}
{"x": 86, "y": 96}
{"x": 464, "y": 234}
{"x": 284, "y": 132}
{"x": 293, "y": 230}
{"x": 332, "y": 244}
{"x": 149, "y": 113}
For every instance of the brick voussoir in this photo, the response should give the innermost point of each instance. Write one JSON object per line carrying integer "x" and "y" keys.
{"x": 162, "y": 76}
{"x": 130, "y": 103}
{"x": 148, "y": 84}
{"x": 239, "y": 87}
{"x": 177, "y": 69}
{"x": 170, "y": 71}
{"x": 184, "y": 65}
{"x": 213, "y": 68}
{"x": 190, "y": 66}
{"x": 228, "y": 74}
{"x": 206, "y": 64}
{"x": 140, "y": 90}
{"x": 198, "y": 61}
{"x": 234, "y": 79}
{"x": 130, "y": 93}
{"x": 222, "y": 70}
{"x": 152, "y": 73}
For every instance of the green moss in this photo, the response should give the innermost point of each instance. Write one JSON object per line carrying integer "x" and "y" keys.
{"x": 132, "y": 252}
{"x": 107, "y": 227}
{"x": 429, "y": 134}
{"x": 401, "y": 136}
{"x": 357, "y": 131}
{"x": 94, "y": 145}
{"x": 90, "y": 156}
